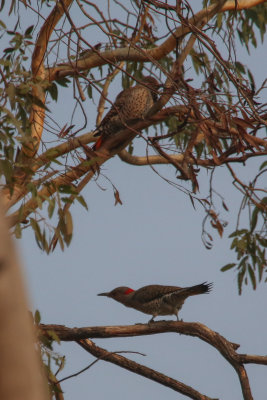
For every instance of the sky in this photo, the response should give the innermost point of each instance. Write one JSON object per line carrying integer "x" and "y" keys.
{"x": 153, "y": 237}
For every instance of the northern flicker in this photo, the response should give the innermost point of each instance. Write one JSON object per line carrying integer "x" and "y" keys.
{"x": 130, "y": 105}
{"x": 156, "y": 299}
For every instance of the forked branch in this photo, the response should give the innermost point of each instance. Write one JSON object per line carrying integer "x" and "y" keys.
{"x": 225, "y": 348}
{"x": 142, "y": 370}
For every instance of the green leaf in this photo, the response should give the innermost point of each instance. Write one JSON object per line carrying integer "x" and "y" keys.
{"x": 39, "y": 103}
{"x": 262, "y": 241}
{"x": 240, "y": 278}
{"x": 37, "y": 317}
{"x": 254, "y": 219}
{"x": 63, "y": 82}
{"x": 252, "y": 276}
{"x": 89, "y": 91}
{"x": 69, "y": 224}
{"x": 238, "y": 233}
{"x": 82, "y": 201}
{"x": 228, "y": 266}
{"x": 2, "y": 23}
{"x": 6, "y": 170}
{"x": 53, "y": 336}
{"x": 51, "y": 207}
{"x": 17, "y": 231}
{"x": 36, "y": 230}
{"x": 29, "y": 30}
{"x": 68, "y": 189}
{"x": 263, "y": 165}
{"x": 52, "y": 89}
{"x": 11, "y": 92}
{"x": 240, "y": 67}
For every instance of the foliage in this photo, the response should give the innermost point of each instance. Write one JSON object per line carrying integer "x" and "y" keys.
{"x": 215, "y": 113}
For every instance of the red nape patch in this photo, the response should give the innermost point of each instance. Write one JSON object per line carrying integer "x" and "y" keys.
{"x": 98, "y": 143}
{"x": 128, "y": 291}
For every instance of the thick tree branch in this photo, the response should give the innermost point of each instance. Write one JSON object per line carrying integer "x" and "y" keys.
{"x": 148, "y": 160}
{"x": 225, "y": 348}
{"x": 133, "y": 53}
{"x": 158, "y": 159}
{"x": 228, "y": 6}
{"x": 139, "y": 369}
{"x": 39, "y": 74}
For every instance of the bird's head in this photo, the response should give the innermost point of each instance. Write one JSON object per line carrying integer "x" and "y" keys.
{"x": 120, "y": 293}
{"x": 151, "y": 82}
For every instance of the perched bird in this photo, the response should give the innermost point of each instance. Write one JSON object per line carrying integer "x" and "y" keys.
{"x": 130, "y": 105}
{"x": 156, "y": 299}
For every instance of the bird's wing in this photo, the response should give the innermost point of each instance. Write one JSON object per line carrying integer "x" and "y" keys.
{"x": 116, "y": 107}
{"x": 152, "y": 292}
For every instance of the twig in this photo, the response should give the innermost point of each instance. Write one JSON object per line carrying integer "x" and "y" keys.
{"x": 94, "y": 362}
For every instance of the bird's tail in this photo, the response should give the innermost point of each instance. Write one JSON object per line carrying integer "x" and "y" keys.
{"x": 197, "y": 289}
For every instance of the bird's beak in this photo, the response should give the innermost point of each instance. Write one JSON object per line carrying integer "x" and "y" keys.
{"x": 103, "y": 294}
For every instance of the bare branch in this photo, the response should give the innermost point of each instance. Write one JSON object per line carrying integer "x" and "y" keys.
{"x": 38, "y": 70}
{"x": 133, "y": 53}
{"x": 147, "y": 160}
{"x": 225, "y": 348}
{"x": 139, "y": 369}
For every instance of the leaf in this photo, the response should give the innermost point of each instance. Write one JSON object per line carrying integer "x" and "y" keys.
{"x": 117, "y": 197}
{"x": 52, "y": 89}
{"x": 53, "y": 336}
{"x": 29, "y": 30}
{"x": 11, "y": 92}
{"x": 13, "y": 2}
{"x": 241, "y": 122}
{"x": 2, "y": 5}
{"x": 51, "y": 207}
{"x": 89, "y": 91}
{"x": 192, "y": 201}
{"x": 67, "y": 189}
{"x": 36, "y": 230}
{"x": 37, "y": 317}
{"x": 240, "y": 67}
{"x": 17, "y": 231}
{"x": 254, "y": 219}
{"x": 69, "y": 224}
{"x": 262, "y": 241}
{"x": 240, "y": 278}
{"x": 228, "y": 266}
{"x": 39, "y": 103}
{"x": 238, "y": 233}
{"x": 263, "y": 165}
{"x": 6, "y": 170}
{"x": 63, "y": 82}
{"x": 225, "y": 206}
{"x": 82, "y": 202}
{"x": 252, "y": 277}
{"x": 2, "y": 23}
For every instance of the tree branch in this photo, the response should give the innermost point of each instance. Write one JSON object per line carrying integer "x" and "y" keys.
{"x": 133, "y": 53}
{"x": 148, "y": 160}
{"x": 224, "y": 347}
{"x": 228, "y": 6}
{"x": 139, "y": 369}
{"x": 39, "y": 73}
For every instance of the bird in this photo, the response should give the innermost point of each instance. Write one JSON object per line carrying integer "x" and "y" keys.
{"x": 130, "y": 105}
{"x": 156, "y": 299}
